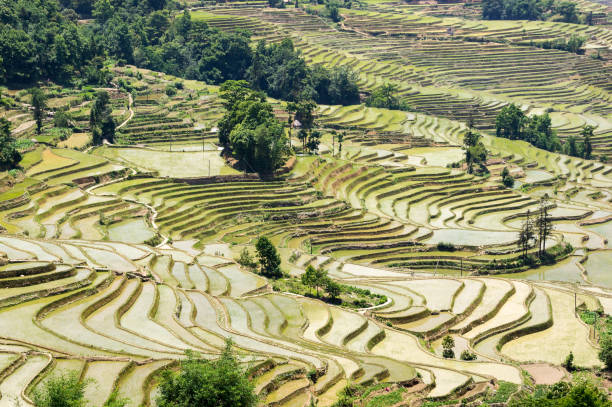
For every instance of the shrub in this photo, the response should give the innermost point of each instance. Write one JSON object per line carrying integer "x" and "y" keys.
{"x": 605, "y": 353}
{"x": 446, "y": 247}
{"x": 246, "y": 259}
{"x": 448, "y": 343}
{"x": 467, "y": 355}
{"x": 200, "y": 382}
{"x": 569, "y": 362}
{"x": 65, "y": 390}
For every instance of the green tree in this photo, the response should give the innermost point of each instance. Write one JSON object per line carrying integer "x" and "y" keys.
{"x": 64, "y": 390}
{"x": 510, "y": 122}
{"x": 39, "y": 103}
{"x": 199, "y": 382}
{"x": 475, "y": 151}
{"x": 314, "y": 277}
{"x": 269, "y": 260}
{"x": 9, "y": 156}
{"x": 526, "y": 235}
{"x": 544, "y": 224}
{"x": 101, "y": 122}
{"x": 332, "y": 288}
{"x": 448, "y": 343}
{"x": 507, "y": 179}
{"x": 587, "y": 133}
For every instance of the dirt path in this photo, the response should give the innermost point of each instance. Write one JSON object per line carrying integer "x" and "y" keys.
{"x": 130, "y": 102}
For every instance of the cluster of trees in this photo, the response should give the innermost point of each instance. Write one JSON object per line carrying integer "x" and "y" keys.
{"x": 583, "y": 148}
{"x": 538, "y": 229}
{"x": 317, "y": 278}
{"x": 101, "y": 122}
{"x": 386, "y": 97}
{"x": 531, "y": 10}
{"x": 303, "y": 113}
{"x": 279, "y": 70}
{"x": 249, "y": 131}
{"x": 573, "y": 44}
{"x": 513, "y": 124}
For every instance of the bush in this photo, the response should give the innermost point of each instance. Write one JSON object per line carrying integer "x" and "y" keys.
{"x": 204, "y": 383}
{"x": 569, "y": 362}
{"x": 446, "y": 247}
{"x": 467, "y": 355}
{"x": 65, "y": 390}
{"x": 170, "y": 90}
{"x": 246, "y": 259}
{"x": 605, "y": 353}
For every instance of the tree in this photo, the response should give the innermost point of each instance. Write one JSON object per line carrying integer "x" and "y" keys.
{"x": 199, "y": 382}
{"x": 101, "y": 122}
{"x": 507, "y": 179}
{"x": 526, "y": 234}
{"x": 9, "y": 156}
{"x": 467, "y": 355}
{"x": 64, "y": 390}
{"x": 340, "y": 140}
{"x": 587, "y": 133}
{"x": 475, "y": 152}
{"x": 569, "y": 362}
{"x": 543, "y": 224}
{"x": 605, "y": 352}
{"x": 39, "y": 102}
{"x": 448, "y": 343}
{"x": 510, "y": 122}
{"x": 315, "y": 278}
{"x": 269, "y": 260}
{"x": 303, "y": 112}
{"x": 332, "y": 288}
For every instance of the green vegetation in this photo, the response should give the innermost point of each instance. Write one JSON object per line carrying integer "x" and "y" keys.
{"x": 448, "y": 345}
{"x": 513, "y": 124}
{"x": 528, "y": 10}
{"x": 101, "y": 122}
{"x": 64, "y": 390}
{"x": 221, "y": 382}
{"x": 269, "y": 260}
{"x": 250, "y": 130}
{"x": 386, "y": 97}
{"x": 9, "y": 156}
{"x": 562, "y": 394}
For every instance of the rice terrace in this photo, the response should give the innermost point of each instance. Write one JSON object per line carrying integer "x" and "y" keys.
{"x": 289, "y": 203}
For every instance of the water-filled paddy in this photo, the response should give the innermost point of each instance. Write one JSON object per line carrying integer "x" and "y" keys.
{"x": 172, "y": 164}
{"x": 130, "y": 231}
{"x": 599, "y": 268}
{"x": 438, "y": 157}
{"x": 537, "y": 176}
{"x": 566, "y": 270}
{"x": 603, "y": 229}
{"x": 471, "y": 237}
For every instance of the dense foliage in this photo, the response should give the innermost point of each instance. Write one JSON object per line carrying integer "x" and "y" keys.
{"x": 529, "y": 10}
{"x": 42, "y": 40}
{"x": 563, "y": 394}
{"x": 582, "y": 148}
{"x": 101, "y": 122}
{"x": 386, "y": 97}
{"x": 204, "y": 383}
{"x": 280, "y": 71}
{"x": 9, "y": 156}
{"x": 65, "y": 390}
{"x": 513, "y": 124}
{"x": 269, "y": 259}
{"x": 475, "y": 151}
{"x": 249, "y": 130}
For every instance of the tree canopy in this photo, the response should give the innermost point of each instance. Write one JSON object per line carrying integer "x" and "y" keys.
{"x": 513, "y": 124}
{"x": 529, "y": 10}
{"x": 9, "y": 156}
{"x": 249, "y": 131}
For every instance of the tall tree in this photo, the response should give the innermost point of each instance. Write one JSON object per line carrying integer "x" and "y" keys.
{"x": 39, "y": 103}
{"x": 587, "y": 133}
{"x": 9, "y": 156}
{"x": 269, "y": 260}
{"x": 101, "y": 122}
{"x": 544, "y": 223}
{"x": 526, "y": 234}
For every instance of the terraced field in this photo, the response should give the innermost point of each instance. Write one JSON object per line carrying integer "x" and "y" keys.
{"x": 116, "y": 259}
